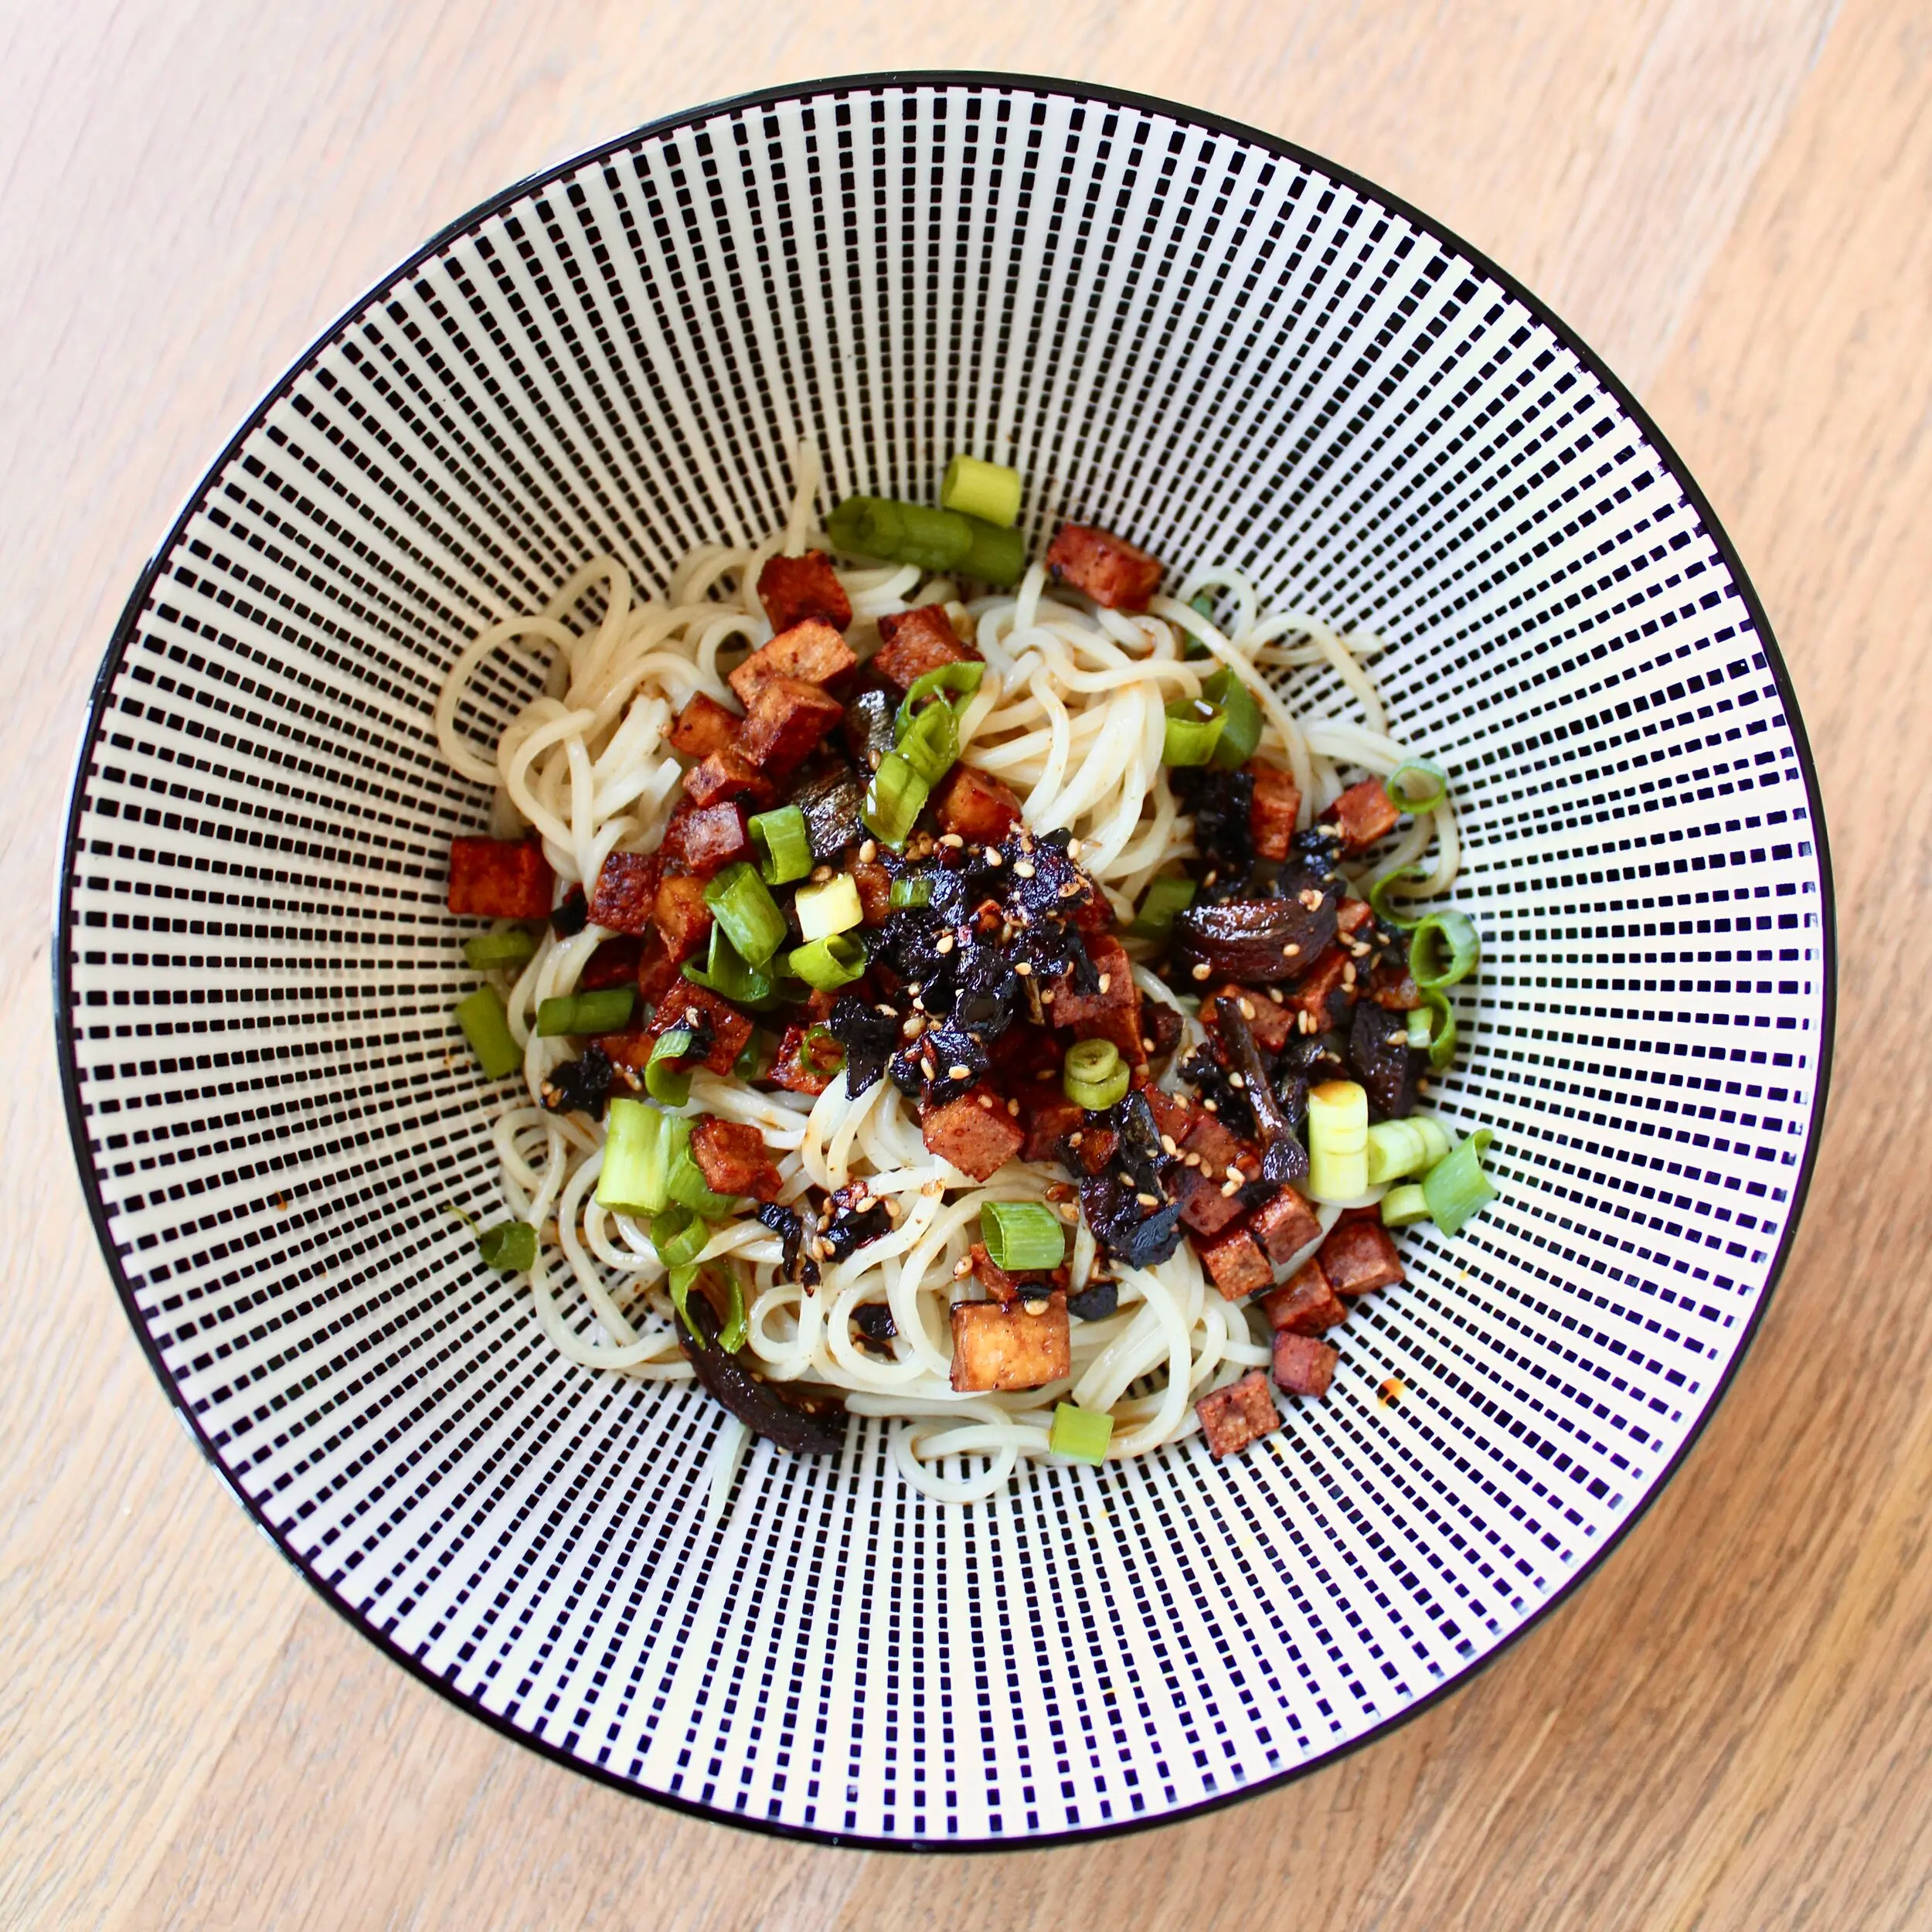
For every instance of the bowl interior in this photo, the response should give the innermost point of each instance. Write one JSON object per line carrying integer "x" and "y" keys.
{"x": 1227, "y": 351}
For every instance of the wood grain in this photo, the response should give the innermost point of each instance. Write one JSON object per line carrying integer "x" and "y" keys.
{"x": 1731, "y": 1726}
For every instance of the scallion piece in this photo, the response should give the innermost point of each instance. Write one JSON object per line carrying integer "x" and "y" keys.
{"x": 744, "y": 908}
{"x": 510, "y": 948}
{"x": 680, "y": 1282}
{"x": 636, "y": 1158}
{"x": 1094, "y": 1075}
{"x": 727, "y": 975}
{"x": 832, "y": 907}
{"x": 1201, "y": 604}
{"x": 987, "y": 490}
{"x": 837, "y": 960}
{"x": 783, "y": 845}
{"x": 510, "y": 1246}
{"x": 1415, "y": 786}
{"x": 1241, "y": 715}
{"x": 911, "y": 891}
{"x": 1163, "y": 898}
{"x": 1081, "y": 1435}
{"x": 684, "y": 1183}
{"x": 1456, "y": 1187}
{"x": 1022, "y": 1236}
{"x": 1443, "y": 950}
{"x": 1419, "y": 1029}
{"x": 664, "y": 1079}
{"x": 1337, "y": 1142}
{"x": 1397, "y": 1148}
{"x": 1193, "y": 730}
{"x": 930, "y": 743}
{"x": 1379, "y": 902}
{"x": 1403, "y": 1206}
{"x": 1442, "y": 1038}
{"x": 679, "y": 1236}
{"x": 894, "y": 799}
{"x": 736, "y": 1329}
{"x": 487, "y": 1028}
{"x": 604, "y": 1011}
{"x": 936, "y": 540}
{"x": 962, "y": 680}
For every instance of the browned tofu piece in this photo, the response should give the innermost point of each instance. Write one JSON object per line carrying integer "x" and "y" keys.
{"x": 913, "y": 642}
{"x": 698, "y": 1008}
{"x": 1030, "y": 1285}
{"x": 1205, "y": 1209}
{"x": 1122, "y": 1024}
{"x": 1303, "y": 1366}
{"x": 808, "y": 1060}
{"x": 1285, "y": 1226}
{"x": 728, "y": 773}
{"x": 1219, "y": 1149}
{"x": 1173, "y": 1115}
{"x": 1117, "y": 991}
{"x": 1242, "y": 1413}
{"x": 681, "y": 918}
{"x": 875, "y": 886}
{"x": 980, "y": 808}
{"x": 706, "y": 838}
{"x": 1272, "y": 1023}
{"x": 1305, "y": 1303}
{"x": 1363, "y": 814}
{"x": 1273, "y": 809}
{"x": 1358, "y": 1256}
{"x": 626, "y": 889}
{"x": 1108, "y": 568}
{"x": 1236, "y": 1264}
{"x": 785, "y": 720}
{"x": 1000, "y": 1345}
{"x": 731, "y": 1158}
{"x": 811, "y": 652}
{"x": 614, "y": 963}
{"x": 657, "y": 972}
{"x": 1392, "y": 988}
{"x": 1351, "y": 915}
{"x": 974, "y": 1132}
{"x": 794, "y": 588}
{"x": 500, "y": 878}
{"x": 1325, "y": 991}
{"x": 703, "y": 726}
{"x": 1048, "y": 1116}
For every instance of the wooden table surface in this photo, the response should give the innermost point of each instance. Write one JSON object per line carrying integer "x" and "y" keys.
{"x": 1732, "y": 1725}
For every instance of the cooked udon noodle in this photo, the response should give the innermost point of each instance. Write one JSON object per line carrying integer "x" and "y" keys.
{"x": 1069, "y": 713}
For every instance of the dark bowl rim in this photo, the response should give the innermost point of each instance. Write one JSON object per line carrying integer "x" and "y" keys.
{"x": 996, "y": 83}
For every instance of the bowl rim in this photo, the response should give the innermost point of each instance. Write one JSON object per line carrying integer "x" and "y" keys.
{"x": 991, "y": 81}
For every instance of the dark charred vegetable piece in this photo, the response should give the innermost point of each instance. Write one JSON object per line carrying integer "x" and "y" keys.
{"x": 852, "y": 1220}
{"x": 1313, "y": 1058}
{"x": 832, "y": 803}
{"x": 1379, "y": 1058}
{"x": 868, "y": 727}
{"x": 784, "y": 1222}
{"x": 1257, "y": 941}
{"x": 874, "y": 1321}
{"x": 1209, "y": 1073}
{"x": 1139, "y": 1236}
{"x": 867, "y": 1035}
{"x": 1096, "y": 1301}
{"x": 1283, "y": 1158}
{"x": 1222, "y": 803}
{"x": 1160, "y": 1027}
{"x": 805, "y": 1432}
{"x": 580, "y": 1086}
{"x": 571, "y": 915}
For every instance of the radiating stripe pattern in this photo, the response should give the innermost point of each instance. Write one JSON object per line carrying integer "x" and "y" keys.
{"x": 1217, "y": 349}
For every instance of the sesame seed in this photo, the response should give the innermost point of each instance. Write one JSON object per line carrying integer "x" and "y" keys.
{"x": 875, "y": 758}
{"x": 892, "y": 1210}
{"x": 1072, "y": 848}
{"x": 1074, "y": 1139}
{"x": 1046, "y": 1073}
{"x": 1068, "y": 1212}
{"x": 1202, "y": 971}
{"x": 1023, "y": 968}
{"x": 1168, "y": 1144}
{"x": 1210, "y": 878}
{"x": 891, "y": 1012}
{"x": 943, "y": 945}
{"x": 869, "y": 852}
{"x": 1107, "y": 980}
{"x": 1146, "y": 1043}
{"x": 1310, "y": 898}
{"x": 1023, "y": 868}
{"x": 1190, "y": 1160}
{"x": 1149, "y": 1200}
{"x": 1012, "y": 1107}
{"x": 964, "y": 1266}
{"x": 1071, "y": 889}
{"x": 992, "y": 857}
{"x": 1291, "y": 951}
{"x": 820, "y": 874}
{"x": 1274, "y": 994}
{"x": 1213, "y": 1106}
{"x": 1230, "y": 1188}
{"x": 1237, "y": 1079}
{"x": 1348, "y": 972}
{"x": 952, "y": 841}
{"x": 986, "y": 1101}
{"x": 959, "y": 1073}
{"x": 1034, "y": 1307}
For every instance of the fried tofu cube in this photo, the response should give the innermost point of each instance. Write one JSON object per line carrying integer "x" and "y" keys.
{"x": 1271, "y": 1024}
{"x": 1363, "y": 814}
{"x": 808, "y": 1060}
{"x": 1173, "y": 1115}
{"x": 657, "y": 972}
{"x": 703, "y": 726}
{"x": 1049, "y": 1116}
{"x": 1351, "y": 915}
{"x": 1273, "y": 809}
{"x": 731, "y": 1158}
{"x": 699, "y": 1008}
{"x": 1285, "y": 1226}
{"x": 1108, "y": 568}
{"x": 626, "y": 889}
{"x": 980, "y": 808}
{"x": 1303, "y": 1365}
{"x": 784, "y": 722}
{"x": 728, "y": 773}
{"x": 793, "y": 589}
{"x": 1305, "y": 1303}
{"x": 1206, "y": 1210}
{"x": 500, "y": 878}
{"x": 875, "y": 886}
{"x": 974, "y": 1132}
{"x": 913, "y": 642}
{"x": 811, "y": 652}
{"x": 1116, "y": 992}
{"x": 1325, "y": 991}
{"x": 615, "y": 962}
{"x": 1236, "y": 1264}
{"x": 681, "y": 917}
{"x": 1242, "y": 1413}
{"x": 1000, "y": 1345}
{"x": 706, "y": 838}
{"x": 1029, "y": 1285}
{"x": 1358, "y": 1256}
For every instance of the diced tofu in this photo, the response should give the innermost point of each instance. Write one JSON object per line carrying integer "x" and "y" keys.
{"x": 1000, "y": 1345}
{"x": 794, "y": 588}
{"x": 812, "y": 651}
{"x": 707, "y": 837}
{"x": 698, "y": 1008}
{"x": 1392, "y": 988}
{"x": 703, "y": 726}
{"x": 614, "y": 964}
{"x": 1236, "y": 1264}
{"x": 808, "y": 1060}
{"x": 1325, "y": 991}
{"x": 1173, "y": 1115}
{"x": 728, "y": 773}
{"x": 1096, "y": 1148}
{"x": 657, "y": 970}
{"x": 1303, "y": 1366}
{"x": 731, "y": 1158}
{"x": 500, "y": 878}
{"x": 626, "y": 888}
{"x": 1273, "y": 809}
{"x": 1363, "y": 814}
{"x": 1351, "y": 915}
{"x": 980, "y": 808}
{"x": 1049, "y": 1115}
{"x": 784, "y": 722}
{"x": 1285, "y": 1226}
{"x": 913, "y": 642}
{"x": 1242, "y": 1413}
{"x": 1305, "y": 1303}
{"x": 1206, "y": 1208}
{"x": 1219, "y": 1149}
{"x": 1108, "y": 568}
{"x": 974, "y": 1132}
{"x": 1272, "y": 1024}
{"x": 681, "y": 917}
{"x": 1358, "y": 1256}
{"x": 1030, "y": 1285}
{"x": 1117, "y": 991}
{"x": 875, "y": 886}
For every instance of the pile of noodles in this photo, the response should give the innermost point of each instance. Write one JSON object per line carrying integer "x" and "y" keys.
{"x": 1069, "y": 713}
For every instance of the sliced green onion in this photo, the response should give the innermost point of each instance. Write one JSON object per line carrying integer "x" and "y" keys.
{"x": 930, "y": 743}
{"x": 737, "y": 1330}
{"x": 1094, "y": 1075}
{"x": 837, "y": 960}
{"x": 994, "y": 555}
{"x": 1443, "y": 950}
{"x": 510, "y": 1246}
{"x": 680, "y": 1283}
{"x": 1378, "y": 899}
{"x": 1162, "y": 899}
{"x": 604, "y": 1011}
{"x": 664, "y": 1079}
{"x": 894, "y": 799}
{"x": 510, "y": 948}
{"x": 636, "y": 1158}
{"x": 962, "y": 679}
{"x": 1201, "y": 604}
{"x": 1022, "y": 1236}
{"x": 1456, "y": 1188}
{"x": 727, "y": 975}
{"x": 1402, "y": 1207}
{"x": 1418, "y": 1029}
{"x": 684, "y": 1184}
{"x": 912, "y": 892}
{"x": 1193, "y": 730}
{"x": 679, "y": 1236}
{"x": 987, "y": 490}
{"x": 936, "y": 540}
{"x": 742, "y": 905}
{"x": 487, "y": 1028}
{"x": 783, "y": 845}
{"x": 832, "y": 907}
{"x": 1397, "y": 1148}
{"x": 1415, "y": 786}
{"x": 1241, "y": 730}
{"x": 746, "y": 1066}
{"x": 1081, "y": 1435}
{"x": 1442, "y": 1038}
{"x": 1337, "y": 1142}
